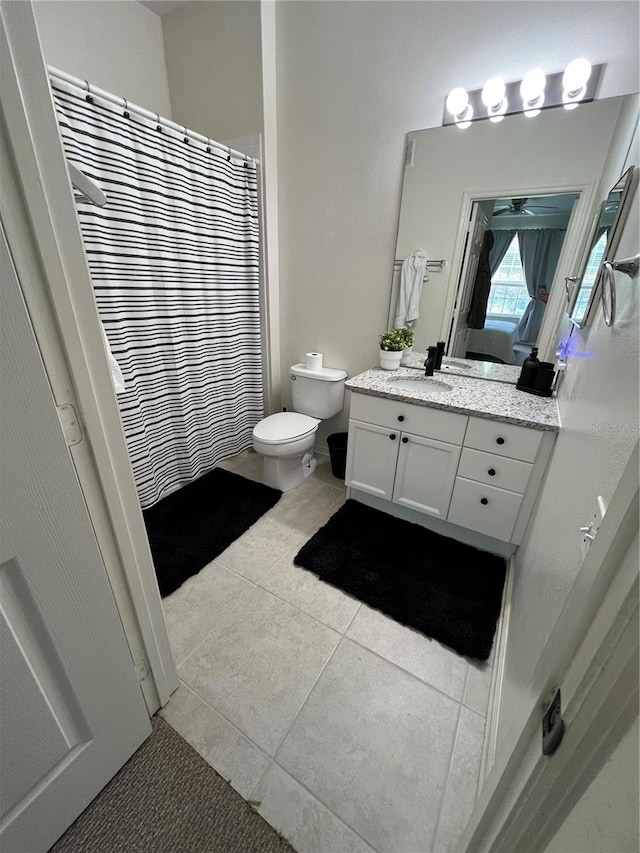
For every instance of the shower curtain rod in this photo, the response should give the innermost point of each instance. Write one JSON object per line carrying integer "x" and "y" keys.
{"x": 95, "y": 91}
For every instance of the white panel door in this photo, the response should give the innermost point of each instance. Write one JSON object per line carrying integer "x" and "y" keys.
{"x": 71, "y": 710}
{"x": 371, "y": 458}
{"x": 460, "y": 323}
{"x": 426, "y": 474}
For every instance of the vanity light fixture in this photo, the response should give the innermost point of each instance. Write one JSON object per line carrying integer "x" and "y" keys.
{"x": 459, "y": 107}
{"x": 493, "y": 97}
{"x": 532, "y": 92}
{"x": 535, "y": 92}
{"x": 574, "y": 82}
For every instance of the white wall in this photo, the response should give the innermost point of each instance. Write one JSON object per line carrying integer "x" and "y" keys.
{"x": 598, "y": 403}
{"x": 353, "y": 79}
{"x": 115, "y": 44}
{"x": 605, "y": 820}
{"x": 213, "y": 52}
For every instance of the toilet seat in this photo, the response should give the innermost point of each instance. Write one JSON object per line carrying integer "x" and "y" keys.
{"x": 284, "y": 427}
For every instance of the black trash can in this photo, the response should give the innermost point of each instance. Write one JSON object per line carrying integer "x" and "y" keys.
{"x": 337, "y": 444}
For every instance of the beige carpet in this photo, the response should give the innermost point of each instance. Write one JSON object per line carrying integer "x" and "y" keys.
{"x": 167, "y": 799}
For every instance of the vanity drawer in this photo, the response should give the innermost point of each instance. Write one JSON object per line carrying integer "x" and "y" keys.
{"x": 494, "y": 470}
{"x": 485, "y": 509}
{"x": 516, "y": 442}
{"x": 406, "y": 417}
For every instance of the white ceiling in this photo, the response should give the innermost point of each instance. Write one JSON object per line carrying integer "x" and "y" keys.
{"x": 163, "y": 7}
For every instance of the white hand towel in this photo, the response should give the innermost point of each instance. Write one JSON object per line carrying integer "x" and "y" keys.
{"x": 412, "y": 275}
{"x": 116, "y": 374}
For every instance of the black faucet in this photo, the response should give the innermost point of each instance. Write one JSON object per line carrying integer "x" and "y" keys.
{"x": 430, "y": 363}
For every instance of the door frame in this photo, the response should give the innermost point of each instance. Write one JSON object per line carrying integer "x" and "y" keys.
{"x": 592, "y": 654}
{"x": 44, "y": 236}
{"x": 572, "y": 245}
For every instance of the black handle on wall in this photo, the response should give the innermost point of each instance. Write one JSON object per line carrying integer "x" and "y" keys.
{"x": 491, "y": 472}
{"x": 400, "y": 418}
{"x": 392, "y": 436}
{"x": 405, "y": 440}
{"x": 484, "y": 501}
{"x": 500, "y": 440}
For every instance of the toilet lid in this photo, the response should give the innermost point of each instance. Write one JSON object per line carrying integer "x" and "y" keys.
{"x": 284, "y": 426}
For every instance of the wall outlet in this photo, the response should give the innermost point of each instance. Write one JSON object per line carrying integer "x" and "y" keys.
{"x": 589, "y": 531}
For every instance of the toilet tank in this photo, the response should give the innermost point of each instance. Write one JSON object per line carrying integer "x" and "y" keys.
{"x": 318, "y": 393}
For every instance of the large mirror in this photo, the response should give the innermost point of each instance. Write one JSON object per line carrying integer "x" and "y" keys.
{"x": 501, "y": 183}
{"x": 607, "y": 226}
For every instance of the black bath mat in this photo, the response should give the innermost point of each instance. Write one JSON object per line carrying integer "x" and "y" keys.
{"x": 190, "y": 527}
{"x": 442, "y": 588}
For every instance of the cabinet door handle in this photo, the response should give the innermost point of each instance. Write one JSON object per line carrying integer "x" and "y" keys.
{"x": 392, "y": 436}
{"x": 500, "y": 440}
{"x": 405, "y": 440}
{"x": 491, "y": 472}
{"x": 484, "y": 501}
{"x": 400, "y": 418}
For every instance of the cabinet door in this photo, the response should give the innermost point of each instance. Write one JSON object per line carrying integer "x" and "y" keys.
{"x": 426, "y": 474}
{"x": 371, "y": 458}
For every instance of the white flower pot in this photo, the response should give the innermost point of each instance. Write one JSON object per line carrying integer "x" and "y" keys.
{"x": 390, "y": 359}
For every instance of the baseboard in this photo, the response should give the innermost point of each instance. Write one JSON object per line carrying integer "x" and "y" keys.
{"x": 497, "y": 679}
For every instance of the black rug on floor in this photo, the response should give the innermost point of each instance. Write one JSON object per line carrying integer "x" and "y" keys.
{"x": 442, "y": 588}
{"x": 190, "y": 527}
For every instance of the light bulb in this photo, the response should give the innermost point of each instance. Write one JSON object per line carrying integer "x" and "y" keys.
{"x": 532, "y": 86}
{"x": 493, "y": 92}
{"x": 576, "y": 75}
{"x": 457, "y": 101}
{"x": 466, "y": 118}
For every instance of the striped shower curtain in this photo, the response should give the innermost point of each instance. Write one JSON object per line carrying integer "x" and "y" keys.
{"x": 174, "y": 260}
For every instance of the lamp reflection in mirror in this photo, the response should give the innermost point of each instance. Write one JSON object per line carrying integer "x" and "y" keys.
{"x": 459, "y": 107}
{"x": 493, "y": 97}
{"x": 532, "y": 92}
{"x": 574, "y": 82}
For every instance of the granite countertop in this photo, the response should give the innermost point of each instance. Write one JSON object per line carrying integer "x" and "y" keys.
{"x": 499, "y": 401}
{"x": 467, "y": 367}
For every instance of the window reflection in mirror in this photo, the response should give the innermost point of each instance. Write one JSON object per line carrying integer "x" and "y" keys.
{"x": 602, "y": 243}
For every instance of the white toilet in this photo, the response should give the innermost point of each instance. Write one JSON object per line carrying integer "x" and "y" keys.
{"x": 286, "y": 439}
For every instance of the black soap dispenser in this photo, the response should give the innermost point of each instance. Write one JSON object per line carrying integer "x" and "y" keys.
{"x": 529, "y": 372}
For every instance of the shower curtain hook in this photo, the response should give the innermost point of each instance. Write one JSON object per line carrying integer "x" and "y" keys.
{"x": 126, "y": 108}
{"x": 88, "y": 96}
{"x": 158, "y": 126}
{"x": 229, "y": 154}
{"x": 186, "y": 138}
{"x": 208, "y": 146}
{"x": 246, "y": 161}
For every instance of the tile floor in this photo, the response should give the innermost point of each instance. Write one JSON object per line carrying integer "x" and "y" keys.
{"x": 346, "y": 730}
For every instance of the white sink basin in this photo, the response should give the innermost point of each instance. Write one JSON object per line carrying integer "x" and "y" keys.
{"x": 419, "y": 384}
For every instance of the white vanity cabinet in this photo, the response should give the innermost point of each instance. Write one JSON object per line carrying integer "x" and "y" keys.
{"x": 405, "y": 453}
{"x": 475, "y": 473}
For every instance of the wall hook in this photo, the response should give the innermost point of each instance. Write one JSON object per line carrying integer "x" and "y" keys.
{"x": 126, "y": 109}
{"x": 186, "y": 138}
{"x": 158, "y": 125}
{"x": 208, "y": 146}
{"x": 88, "y": 96}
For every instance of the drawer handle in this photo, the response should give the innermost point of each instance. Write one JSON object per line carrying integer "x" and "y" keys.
{"x": 405, "y": 440}
{"x": 484, "y": 501}
{"x": 392, "y": 436}
{"x": 500, "y": 440}
{"x": 400, "y": 418}
{"x": 491, "y": 472}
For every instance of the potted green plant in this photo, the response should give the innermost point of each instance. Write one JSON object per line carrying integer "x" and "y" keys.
{"x": 392, "y": 345}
